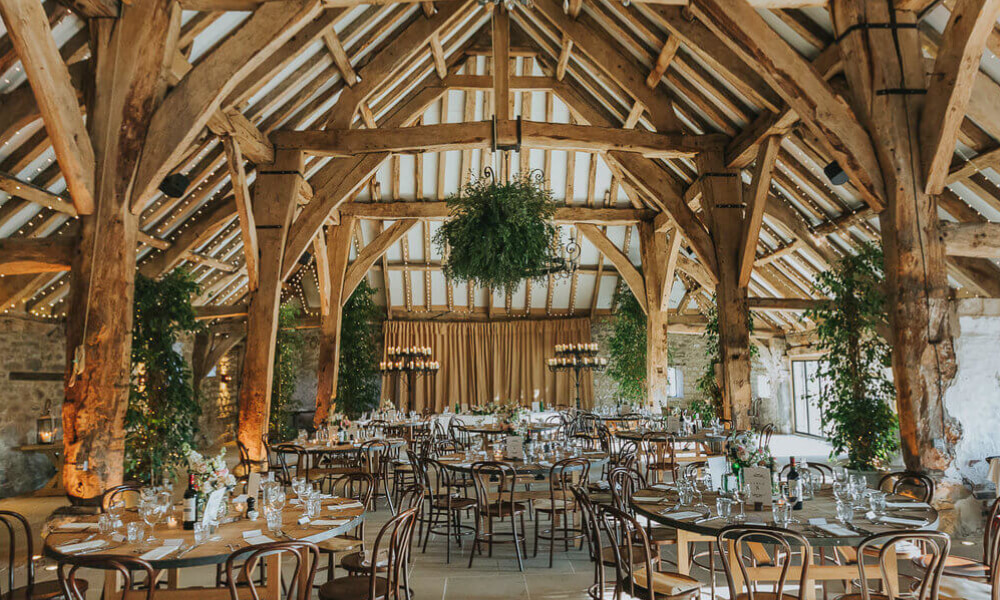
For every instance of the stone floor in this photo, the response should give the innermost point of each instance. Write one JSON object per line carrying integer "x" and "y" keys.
{"x": 497, "y": 577}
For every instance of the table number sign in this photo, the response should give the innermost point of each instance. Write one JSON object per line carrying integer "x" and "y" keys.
{"x": 212, "y": 506}
{"x": 673, "y": 424}
{"x": 758, "y": 482}
{"x": 515, "y": 446}
{"x": 536, "y": 406}
{"x": 717, "y": 468}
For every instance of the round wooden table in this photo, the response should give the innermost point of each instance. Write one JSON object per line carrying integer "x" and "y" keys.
{"x": 228, "y": 537}
{"x": 705, "y": 436}
{"x": 501, "y": 428}
{"x": 658, "y": 503}
{"x": 538, "y": 466}
{"x": 323, "y": 448}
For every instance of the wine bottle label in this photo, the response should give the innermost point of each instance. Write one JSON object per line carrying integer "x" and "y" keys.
{"x": 190, "y": 506}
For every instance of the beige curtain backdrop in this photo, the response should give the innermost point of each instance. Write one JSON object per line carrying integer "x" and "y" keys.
{"x": 484, "y": 362}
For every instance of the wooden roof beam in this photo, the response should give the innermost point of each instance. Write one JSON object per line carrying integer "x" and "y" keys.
{"x": 756, "y": 199}
{"x": 625, "y": 268}
{"x": 20, "y": 256}
{"x": 437, "y": 210}
{"x": 31, "y": 36}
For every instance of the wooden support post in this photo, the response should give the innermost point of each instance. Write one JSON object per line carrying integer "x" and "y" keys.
{"x": 923, "y": 357}
{"x": 129, "y": 83}
{"x": 653, "y": 248}
{"x": 338, "y": 246}
{"x": 275, "y": 194}
{"x": 723, "y": 201}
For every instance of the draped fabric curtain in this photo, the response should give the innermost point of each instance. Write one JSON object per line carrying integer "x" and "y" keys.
{"x": 486, "y": 362}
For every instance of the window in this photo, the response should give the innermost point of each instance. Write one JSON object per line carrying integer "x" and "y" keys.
{"x": 807, "y": 386}
{"x": 676, "y": 379}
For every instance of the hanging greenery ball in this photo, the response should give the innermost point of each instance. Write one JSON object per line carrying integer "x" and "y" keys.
{"x": 499, "y": 234}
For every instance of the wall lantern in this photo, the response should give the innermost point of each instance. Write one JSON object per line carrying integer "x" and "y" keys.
{"x": 46, "y": 425}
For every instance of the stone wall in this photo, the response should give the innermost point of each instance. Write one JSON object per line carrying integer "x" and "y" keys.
{"x": 38, "y": 348}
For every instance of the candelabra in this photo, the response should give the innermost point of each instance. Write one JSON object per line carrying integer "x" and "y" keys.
{"x": 413, "y": 361}
{"x": 577, "y": 358}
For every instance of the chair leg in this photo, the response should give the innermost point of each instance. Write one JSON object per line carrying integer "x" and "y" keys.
{"x": 537, "y": 520}
{"x": 475, "y": 540}
{"x": 517, "y": 542}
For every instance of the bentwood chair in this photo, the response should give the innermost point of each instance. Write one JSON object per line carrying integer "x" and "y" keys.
{"x": 499, "y": 505}
{"x": 624, "y": 483}
{"x": 908, "y": 483}
{"x": 241, "y": 563}
{"x": 634, "y": 558}
{"x": 128, "y": 493}
{"x": 390, "y": 553}
{"x": 882, "y": 546}
{"x": 970, "y": 568}
{"x": 660, "y": 454}
{"x": 19, "y": 531}
{"x": 957, "y": 588}
{"x": 375, "y": 460}
{"x": 447, "y": 501}
{"x": 560, "y": 505}
{"x": 75, "y": 588}
{"x": 358, "y": 486}
{"x": 734, "y": 544}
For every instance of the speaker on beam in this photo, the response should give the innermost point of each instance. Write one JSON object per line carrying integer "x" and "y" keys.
{"x": 835, "y": 174}
{"x": 173, "y": 185}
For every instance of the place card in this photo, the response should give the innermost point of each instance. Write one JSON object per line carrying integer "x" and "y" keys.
{"x": 345, "y": 505}
{"x": 515, "y": 446}
{"x": 758, "y": 481}
{"x": 303, "y": 520}
{"x": 173, "y": 542}
{"x": 258, "y": 540}
{"x": 902, "y": 521}
{"x": 662, "y": 486}
{"x": 252, "y": 533}
{"x": 832, "y": 528}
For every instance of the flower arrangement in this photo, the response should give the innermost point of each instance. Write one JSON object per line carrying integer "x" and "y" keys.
{"x": 742, "y": 449}
{"x": 210, "y": 474}
{"x": 386, "y": 405}
{"x": 510, "y": 413}
{"x": 485, "y": 409}
{"x": 338, "y": 420}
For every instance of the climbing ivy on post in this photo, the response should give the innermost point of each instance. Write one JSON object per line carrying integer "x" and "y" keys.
{"x": 287, "y": 361}
{"x": 627, "y": 347}
{"x": 857, "y": 398}
{"x": 710, "y": 404}
{"x": 358, "y": 379}
{"x": 163, "y": 410}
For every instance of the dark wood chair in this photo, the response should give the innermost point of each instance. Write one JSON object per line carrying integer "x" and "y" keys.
{"x": 120, "y": 492}
{"x": 624, "y": 483}
{"x": 633, "y": 560}
{"x": 361, "y": 487}
{"x": 497, "y": 505}
{"x": 561, "y": 505}
{"x": 20, "y": 550}
{"x": 75, "y": 588}
{"x": 241, "y": 563}
{"x": 390, "y": 553}
{"x": 971, "y": 568}
{"x": 746, "y": 543}
{"x": 447, "y": 501}
{"x": 374, "y": 457}
{"x": 937, "y": 546}
{"x": 908, "y": 483}
{"x": 660, "y": 454}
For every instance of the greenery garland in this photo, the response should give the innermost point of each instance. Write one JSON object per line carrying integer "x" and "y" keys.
{"x": 857, "y": 402}
{"x": 287, "y": 360}
{"x": 358, "y": 380}
{"x": 709, "y": 405}
{"x": 499, "y": 233}
{"x": 163, "y": 410}
{"x": 627, "y": 347}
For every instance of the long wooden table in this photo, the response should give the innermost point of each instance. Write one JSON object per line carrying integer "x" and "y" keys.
{"x": 690, "y": 531}
{"x": 212, "y": 552}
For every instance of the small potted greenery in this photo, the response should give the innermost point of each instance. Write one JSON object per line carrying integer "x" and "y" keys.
{"x": 857, "y": 400}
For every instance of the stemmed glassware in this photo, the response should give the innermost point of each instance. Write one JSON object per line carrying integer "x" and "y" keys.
{"x": 152, "y": 509}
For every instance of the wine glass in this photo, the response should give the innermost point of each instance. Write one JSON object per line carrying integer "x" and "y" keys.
{"x": 151, "y": 512}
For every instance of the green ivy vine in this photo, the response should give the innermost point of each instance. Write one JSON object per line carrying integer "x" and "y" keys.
{"x": 287, "y": 360}
{"x": 163, "y": 410}
{"x": 857, "y": 400}
{"x": 358, "y": 381}
{"x": 627, "y": 347}
{"x": 710, "y": 404}
{"x": 499, "y": 233}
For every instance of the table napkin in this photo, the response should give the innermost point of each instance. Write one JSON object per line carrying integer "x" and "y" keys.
{"x": 258, "y": 539}
{"x": 648, "y": 498}
{"x": 344, "y": 505}
{"x": 681, "y": 514}
{"x": 662, "y": 486}
{"x": 832, "y": 528}
{"x": 77, "y": 526}
{"x": 907, "y": 505}
{"x": 80, "y": 546}
{"x": 320, "y": 537}
{"x": 330, "y": 522}
{"x": 902, "y": 521}
{"x": 158, "y": 553}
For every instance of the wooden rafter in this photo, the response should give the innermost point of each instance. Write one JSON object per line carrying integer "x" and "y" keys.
{"x": 756, "y": 199}
{"x": 244, "y": 207}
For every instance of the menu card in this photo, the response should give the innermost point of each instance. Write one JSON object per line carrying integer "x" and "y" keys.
{"x": 253, "y": 484}
{"x": 536, "y": 406}
{"x": 673, "y": 424}
{"x": 212, "y": 505}
{"x": 515, "y": 446}
{"x": 717, "y": 468}
{"x": 758, "y": 480}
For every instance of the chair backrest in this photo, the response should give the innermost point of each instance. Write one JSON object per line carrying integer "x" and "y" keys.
{"x": 935, "y": 546}
{"x": 126, "y": 566}
{"x": 787, "y": 545}
{"x": 908, "y": 483}
{"x": 357, "y": 485}
{"x": 631, "y": 549}
{"x": 627, "y": 455}
{"x": 693, "y": 469}
{"x": 374, "y": 454}
{"x": 412, "y": 496}
{"x": 624, "y": 482}
{"x": 392, "y": 544}
{"x": 245, "y": 462}
{"x": 487, "y": 474}
{"x": 564, "y": 475}
{"x": 991, "y": 543}
{"x": 590, "y": 519}
{"x": 241, "y": 564}
{"x": 301, "y": 465}
{"x": 120, "y": 492}
{"x": 18, "y": 531}
{"x": 764, "y": 441}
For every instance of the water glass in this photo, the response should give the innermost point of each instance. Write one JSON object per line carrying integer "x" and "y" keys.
{"x": 135, "y": 532}
{"x": 845, "y": 512}
{"x": 782, "y": 513}
{"x": 313, "y": 505}
{"x": 106, "y": 524}
{"x": 685, "y": 494}
{"x": 876, "y": 501}
{"x": 724, "y": 506}
{"x": 840, "y": 490}
{"x": 200, "y": 533}
{"x": 273, "y": 518}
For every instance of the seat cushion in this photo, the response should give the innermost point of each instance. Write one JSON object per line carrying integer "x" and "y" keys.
{"x": 340, "y": 543}
{"x": 353, "y": 588}
{"x": 958, "y": 588}
{"x": 548, "y": 505}
{"x": 667, "y": 584}
{"x": 42, "y": 590}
